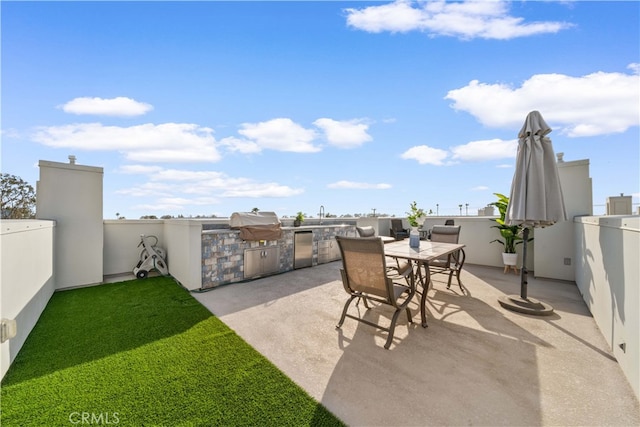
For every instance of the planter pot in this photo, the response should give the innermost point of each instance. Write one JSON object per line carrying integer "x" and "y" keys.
{"x": 296, "y": 223}
{"x": 510, "y": 261}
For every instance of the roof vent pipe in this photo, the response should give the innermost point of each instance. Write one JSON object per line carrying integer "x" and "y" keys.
{"x": 72, "y": 159}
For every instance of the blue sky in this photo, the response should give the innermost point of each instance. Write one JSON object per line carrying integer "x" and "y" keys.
{"x": 202, "y": 108}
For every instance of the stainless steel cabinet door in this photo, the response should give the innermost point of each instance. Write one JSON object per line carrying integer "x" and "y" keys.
{"x": 261, "y": 261}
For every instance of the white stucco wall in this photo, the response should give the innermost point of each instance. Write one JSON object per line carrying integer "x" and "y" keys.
{"x": 71, "y": 195}
{"x": 476, "y": 233}
{"x": 607, "y": 250}
{"x": 121, "y": 240}
{"x": 27, "y": 278}
{"x": 184, "y": 242}
{"x": 554, "y": 245}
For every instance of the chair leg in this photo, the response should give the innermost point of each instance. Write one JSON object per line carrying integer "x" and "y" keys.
{"x": 459, "y": 281}
{"x": 457, "y": 272}
{"x": 423, "y": 304}
{"x": 459, "y": 263}
{"x": 344, "y": 311}
{"x": 392, "y": 328}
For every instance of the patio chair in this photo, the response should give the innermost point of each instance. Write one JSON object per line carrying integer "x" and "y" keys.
{"x": 427, "y": 233}
{"x": 365, "y": 277}
{"x": 397, "y": 231}
{"x": 366, "y": 231}
{"x": 452, "y": 263}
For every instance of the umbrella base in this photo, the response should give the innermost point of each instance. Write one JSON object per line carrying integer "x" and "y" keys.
{"x": 526, "y": 306}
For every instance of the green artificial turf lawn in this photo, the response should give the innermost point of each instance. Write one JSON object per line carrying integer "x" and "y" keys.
{"x": 145, "y": 352}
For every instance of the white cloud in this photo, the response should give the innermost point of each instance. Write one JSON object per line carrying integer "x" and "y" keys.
{"x": 465, "y": 20}
{"x": 252, "y": 188}
{"x": 120, "y": 106}
{"x": 474, "y": 151}
{"x": 208, "y": 179}
{"x": 139, "y": 169}
{"x": 281, "y": 134}
{"x": 350, "y": 185}
{"x": 179, "y": 183}
{"x": 426, "y": 155}
{"x": 9, "y": 134}
{"x": 147, "y": 189}
{"x": 344, "y": 134}
{"x": 160, "y": 207}
{"x": 486, "y": 150}
{"x": 168, "y": 142}
{"x": 399, "y": 16}
{"x": 596, "y": 104}
{"x": 240, "y": 145}
{"x": 480, "y": 188}
{"x": 175, "y": 204}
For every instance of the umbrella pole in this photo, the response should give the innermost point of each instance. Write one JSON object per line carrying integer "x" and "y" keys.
{"x": 522, "y": 303}
{"x": 523, "y": 271}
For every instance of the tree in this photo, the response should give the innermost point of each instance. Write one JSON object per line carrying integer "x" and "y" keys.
{"x": 18, "y": 198}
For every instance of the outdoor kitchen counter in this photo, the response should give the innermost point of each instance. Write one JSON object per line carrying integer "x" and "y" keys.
{"x": 302, "y": 227}
{"x": 223, "y": 252}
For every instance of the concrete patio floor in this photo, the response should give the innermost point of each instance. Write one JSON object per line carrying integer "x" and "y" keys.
{"x": 476, "y": 363}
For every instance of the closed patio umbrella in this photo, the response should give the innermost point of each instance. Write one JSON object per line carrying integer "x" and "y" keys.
{"x": 535, "y": 201}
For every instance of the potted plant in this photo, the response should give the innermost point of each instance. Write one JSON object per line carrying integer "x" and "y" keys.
{"x": 298, "y": 220}
{"x": 511, "y": 234}
{"x": 416, "y": 216}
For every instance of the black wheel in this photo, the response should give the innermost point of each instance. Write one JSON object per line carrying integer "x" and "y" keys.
{"x": 142, "y": 274}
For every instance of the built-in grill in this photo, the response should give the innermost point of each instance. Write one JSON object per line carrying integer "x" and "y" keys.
{"x": 256, "y": 225}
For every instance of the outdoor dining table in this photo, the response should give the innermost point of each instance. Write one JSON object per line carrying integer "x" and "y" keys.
{"x": 426, "y": 252}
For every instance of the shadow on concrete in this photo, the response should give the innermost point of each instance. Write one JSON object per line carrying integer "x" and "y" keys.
{"x": 476, "y": 363}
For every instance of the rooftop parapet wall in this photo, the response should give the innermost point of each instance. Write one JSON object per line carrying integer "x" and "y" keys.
{"x": 607, "y": 249}
{"x": 27, "y": 278}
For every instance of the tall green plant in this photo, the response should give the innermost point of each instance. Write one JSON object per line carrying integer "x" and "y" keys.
{"x": 414, "y": 216}
{"x": 511, "y": 234}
